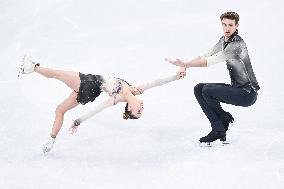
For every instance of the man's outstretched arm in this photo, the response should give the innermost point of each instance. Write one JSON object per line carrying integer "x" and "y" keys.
{"x": 196, "y": 62}
{"x": 213, "y": 56}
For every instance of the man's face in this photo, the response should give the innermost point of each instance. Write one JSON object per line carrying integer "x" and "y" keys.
{"x": 229, "y": 27}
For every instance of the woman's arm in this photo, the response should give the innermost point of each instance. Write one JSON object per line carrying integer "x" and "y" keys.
{"x": 106, "y": 104}
{"x": 180, "y": 74}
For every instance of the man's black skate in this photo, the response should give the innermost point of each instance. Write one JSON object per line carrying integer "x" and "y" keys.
{"x": 212, "y": 136}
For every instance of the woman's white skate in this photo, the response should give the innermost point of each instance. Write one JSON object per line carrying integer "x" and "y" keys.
{"x": 27, "y": 66}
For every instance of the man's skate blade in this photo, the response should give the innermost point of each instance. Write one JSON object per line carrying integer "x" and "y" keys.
{"x": 205, "y": 144}
{"x": 213, "y": 144}
{"x": 225, "y": 142}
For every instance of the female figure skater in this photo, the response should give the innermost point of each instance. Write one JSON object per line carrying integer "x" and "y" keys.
{"x": 86, "y": 88}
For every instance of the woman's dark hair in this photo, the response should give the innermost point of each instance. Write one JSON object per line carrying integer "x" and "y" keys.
{"x": 231, "y": 16}
{"x": 128, "y": 114}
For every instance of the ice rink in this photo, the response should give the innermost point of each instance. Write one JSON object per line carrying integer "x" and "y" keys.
{"x": 130, "y": 39}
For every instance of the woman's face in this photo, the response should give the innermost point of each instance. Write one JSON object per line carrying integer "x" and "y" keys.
{"x": 136, "y": 107}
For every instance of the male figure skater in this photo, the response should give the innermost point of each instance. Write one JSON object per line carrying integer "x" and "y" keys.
{"x": 242, "y": 91}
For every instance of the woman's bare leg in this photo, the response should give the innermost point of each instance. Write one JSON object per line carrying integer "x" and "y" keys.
{"x": 61, "y": 109}
{"x": 70, "y": 78}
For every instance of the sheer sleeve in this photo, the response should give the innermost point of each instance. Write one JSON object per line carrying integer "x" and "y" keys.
{"x": 107, "y": 103}
{"x": 148, "y": 85}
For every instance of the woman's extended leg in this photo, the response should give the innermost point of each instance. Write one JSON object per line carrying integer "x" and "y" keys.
{"x": 70, "y": 78}
{"x": 61, "y": 109}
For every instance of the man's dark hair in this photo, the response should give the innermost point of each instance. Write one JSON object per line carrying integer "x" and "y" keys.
{"x": 231, "y": 16}
{"x": 128, "y": 114}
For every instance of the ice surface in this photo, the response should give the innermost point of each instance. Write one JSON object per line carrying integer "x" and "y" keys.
{"x": 129, "y": 39}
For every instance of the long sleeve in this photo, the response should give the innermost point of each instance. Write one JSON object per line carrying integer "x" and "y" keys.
{"x": 217, "y": 47}
{"x": 155, "y": 83}
{"x": 232, "y": 51}
{"x": 107, "y": 103}
{"x": 215, "y": 54}
{"x": 216, "y": 58}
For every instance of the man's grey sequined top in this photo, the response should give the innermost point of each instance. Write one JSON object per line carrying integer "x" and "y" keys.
{"x": 235, "y": 53}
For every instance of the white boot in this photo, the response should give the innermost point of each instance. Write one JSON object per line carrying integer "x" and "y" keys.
{"x": 48, "y": 145}
{"x": 28, "y": 65}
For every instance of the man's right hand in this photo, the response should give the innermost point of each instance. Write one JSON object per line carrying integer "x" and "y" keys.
{"x": 176, "y": 62}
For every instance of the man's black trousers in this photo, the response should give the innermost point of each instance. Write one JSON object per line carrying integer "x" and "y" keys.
{"x": 209, "y": 96}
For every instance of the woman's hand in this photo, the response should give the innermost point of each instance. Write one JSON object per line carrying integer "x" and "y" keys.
{"x": 136, "y": 90}
{"x": 176, "y": 62}
{"x": 73, "y": 128}
{"x": 181, "y": 73}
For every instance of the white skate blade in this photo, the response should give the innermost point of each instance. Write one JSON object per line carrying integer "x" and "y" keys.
{"x": 45, "y": 151}
{"x": 21, "y": 69}
{"x": 20, "y": 72}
